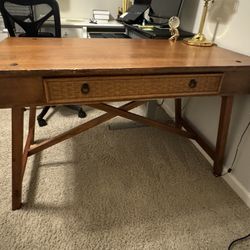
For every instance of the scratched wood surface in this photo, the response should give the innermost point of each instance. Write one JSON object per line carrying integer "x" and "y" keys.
{"x": 73, "y": 55}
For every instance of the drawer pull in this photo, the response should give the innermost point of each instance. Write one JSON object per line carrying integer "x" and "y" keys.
{"x": 192, "y": 84}
{"x": 96, "y": 89}
{"x": 85, "y": 88}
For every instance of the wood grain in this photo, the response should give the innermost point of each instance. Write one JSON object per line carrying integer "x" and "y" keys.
{"x": 178, "y": 112}
{"x": 30, "y": 137}
{"x": 36, "y": 148}
{"x": 121, "y": 56}
{"x": 17, "y": 91}
{"x": 17, "y": 157}
{"x": 139, "y": 64}
{"x": 225, "y": 116}
{"x": 141, "y": 119}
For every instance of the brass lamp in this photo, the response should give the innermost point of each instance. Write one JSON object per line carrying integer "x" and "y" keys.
{"x": 199, "y": 39}
{"x": 125, "y": 5}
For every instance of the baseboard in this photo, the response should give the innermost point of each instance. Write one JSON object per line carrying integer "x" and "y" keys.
{"x": 230, "y": 179}
{"x": 203, "y": 152}
{"x": 238, "y": 188}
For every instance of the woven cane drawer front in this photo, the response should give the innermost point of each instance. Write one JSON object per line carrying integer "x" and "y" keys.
{"x": 84, "y": 89}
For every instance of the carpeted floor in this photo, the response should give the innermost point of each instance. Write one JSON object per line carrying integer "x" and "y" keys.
{"x": 138, "y": 188}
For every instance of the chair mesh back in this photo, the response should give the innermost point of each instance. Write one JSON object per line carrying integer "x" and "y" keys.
{"x": 27, "y": 17}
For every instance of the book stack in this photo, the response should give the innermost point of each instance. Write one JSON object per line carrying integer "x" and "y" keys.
{"x": 101, "y": 16}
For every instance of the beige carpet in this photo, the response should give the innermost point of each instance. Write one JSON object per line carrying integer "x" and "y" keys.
{"x": 138, "y": 188}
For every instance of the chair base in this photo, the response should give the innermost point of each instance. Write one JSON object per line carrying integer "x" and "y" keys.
{"x": 42, "y": 122}
{"x": 81, "y": 113}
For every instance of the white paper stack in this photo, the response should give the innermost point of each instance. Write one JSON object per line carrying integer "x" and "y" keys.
{"x": 101, "y": 16}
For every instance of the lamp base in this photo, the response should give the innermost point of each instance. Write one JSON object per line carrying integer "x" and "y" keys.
{"x": 198, "y": 40}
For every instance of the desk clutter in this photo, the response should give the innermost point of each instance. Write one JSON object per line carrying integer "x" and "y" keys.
{"x": 153, "y": 31}
{"x": 153, "y": 19}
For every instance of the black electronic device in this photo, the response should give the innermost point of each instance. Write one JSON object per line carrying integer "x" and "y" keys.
{"x": 135, "y": 31}
{"x": 159, "y": 33}
{"x": 161, "y": 10}
{"x": 108, "y": 35}
{"x": 135, "y": 14}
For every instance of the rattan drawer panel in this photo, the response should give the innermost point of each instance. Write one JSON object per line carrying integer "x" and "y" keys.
{"x": 130, "y": 87}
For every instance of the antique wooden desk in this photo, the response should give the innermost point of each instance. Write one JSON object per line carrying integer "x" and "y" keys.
{"x": 93, "y": 71}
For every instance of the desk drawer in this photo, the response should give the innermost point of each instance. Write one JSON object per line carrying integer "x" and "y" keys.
{"x": 97, "y": 89}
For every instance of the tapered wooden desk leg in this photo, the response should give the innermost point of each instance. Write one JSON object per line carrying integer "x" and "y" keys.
{"x": 17, "y": 156}
{"x": 32, "y": 121}
{"x": 225, "y": 116}
{"x": 178, "y": 112}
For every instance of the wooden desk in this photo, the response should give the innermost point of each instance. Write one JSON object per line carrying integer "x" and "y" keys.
{"x": 59, "y": 71}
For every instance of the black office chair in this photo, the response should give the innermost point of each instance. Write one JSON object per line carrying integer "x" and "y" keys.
{"x": 21, "y": 19}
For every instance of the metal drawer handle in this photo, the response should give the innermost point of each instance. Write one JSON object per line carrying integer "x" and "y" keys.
{"x": 192, "y": 84}
{"x": 85, "y": 88}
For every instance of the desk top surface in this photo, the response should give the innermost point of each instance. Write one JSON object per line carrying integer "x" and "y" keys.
{"x": 46, "y": 56}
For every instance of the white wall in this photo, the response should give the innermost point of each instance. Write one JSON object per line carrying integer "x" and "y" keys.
{"x": 3, "y": 34}
{"x": 227, "y": 23}
{"x": 79, "y": 9}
